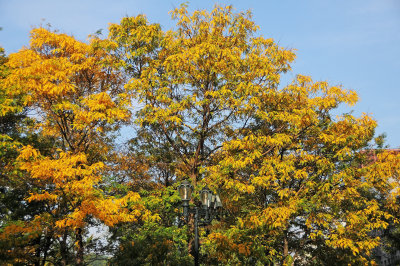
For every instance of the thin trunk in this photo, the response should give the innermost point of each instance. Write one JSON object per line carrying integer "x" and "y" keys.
{"x": 285, "y": 247}
{"x": 63, "y": 249}
{"x": 79, "y": 240}
{"x": 46, "y": 249}
{"x": 37, "y": 251}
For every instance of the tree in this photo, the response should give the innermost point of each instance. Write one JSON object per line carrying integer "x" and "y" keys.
{"x": 298, "y": 172}
{"x": 77, "y": 97}
{"x": 195, "y": 84}
{"x": 295, "y": 181}
{"x": 382, "y": 169}
{"x": 154, "y": 243}
{"x": 14, "y": 186}
{"x": 197, "y": 89}
{"x": 289, "y": 172}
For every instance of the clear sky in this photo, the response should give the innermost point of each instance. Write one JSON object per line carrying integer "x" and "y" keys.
{"x": 353, "y": 43}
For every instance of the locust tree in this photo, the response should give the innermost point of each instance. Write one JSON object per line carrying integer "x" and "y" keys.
{"x": 196, "y": 84}
{"x": 294, "y": 179}
{"x": 15, "y": 131}
{"x": 289, "y": 171}
{"x": 299, "y": 190}
{"x": 76, "y": 97}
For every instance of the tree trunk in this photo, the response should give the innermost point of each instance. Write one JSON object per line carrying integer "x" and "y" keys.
{"x": 63, "y": 249}
{"x": 46, "y": 249}
{"x": 37, "y": 251}
{"x": 285, "y": 248}
{"x": 79, "y": 253}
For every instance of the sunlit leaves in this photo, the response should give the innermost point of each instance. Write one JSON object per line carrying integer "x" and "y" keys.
{"x": 297, "y": 171}
{"x": 78, "y": 99}
{"x": 72, "y": 84}
{"x": 197, "y": 82}
{"x": 295, "y": 180}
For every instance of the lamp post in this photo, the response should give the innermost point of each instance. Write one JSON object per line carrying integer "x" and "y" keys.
{"x": 211, "y": 205}
{"x": 185, "y": 190}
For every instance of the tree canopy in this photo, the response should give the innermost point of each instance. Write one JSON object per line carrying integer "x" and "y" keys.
{"x": 206, "y": 103}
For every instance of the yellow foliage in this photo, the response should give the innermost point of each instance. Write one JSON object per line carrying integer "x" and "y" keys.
{"x": 76, "y": 91}
{"x": 75, "y": 182}
{"x": 75, "y": 86}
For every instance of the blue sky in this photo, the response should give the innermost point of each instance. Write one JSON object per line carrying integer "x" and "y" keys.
{"x": 353, "y": 43}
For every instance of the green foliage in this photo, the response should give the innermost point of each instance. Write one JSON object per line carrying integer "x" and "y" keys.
{"x": 155, "y": 243}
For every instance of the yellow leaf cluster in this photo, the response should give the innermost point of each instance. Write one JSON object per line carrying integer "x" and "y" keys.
{"x": 74, "y": 182}
{"x": 74, "y": 86}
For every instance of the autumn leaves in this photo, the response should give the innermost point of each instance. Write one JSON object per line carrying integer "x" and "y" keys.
{"x": 210, "y": 108}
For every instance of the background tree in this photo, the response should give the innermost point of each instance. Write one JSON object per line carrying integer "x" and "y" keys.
{"x": 15, "y": 131}
{"x": 382, "y": 170}
{"x": 298, "y": 173}
{"x": 76, "y": 95}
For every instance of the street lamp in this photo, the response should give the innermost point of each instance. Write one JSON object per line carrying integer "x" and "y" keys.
{"x": 211, "y": 206}
{"x": 185, "y": 190}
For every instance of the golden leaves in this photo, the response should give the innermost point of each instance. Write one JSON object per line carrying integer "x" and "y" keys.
{"x": 74, "y": 181}
{"x": 277, "y": 153}
{"x": 97, "y": 108}
{"x": 77, "y": 93}
{"x": 28, "y": 152}
{"x": 110, "y": 211}
{"x": 208, "y": 48}
{"x": 295, "y": 166}
{"x": 72, "y": 84}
